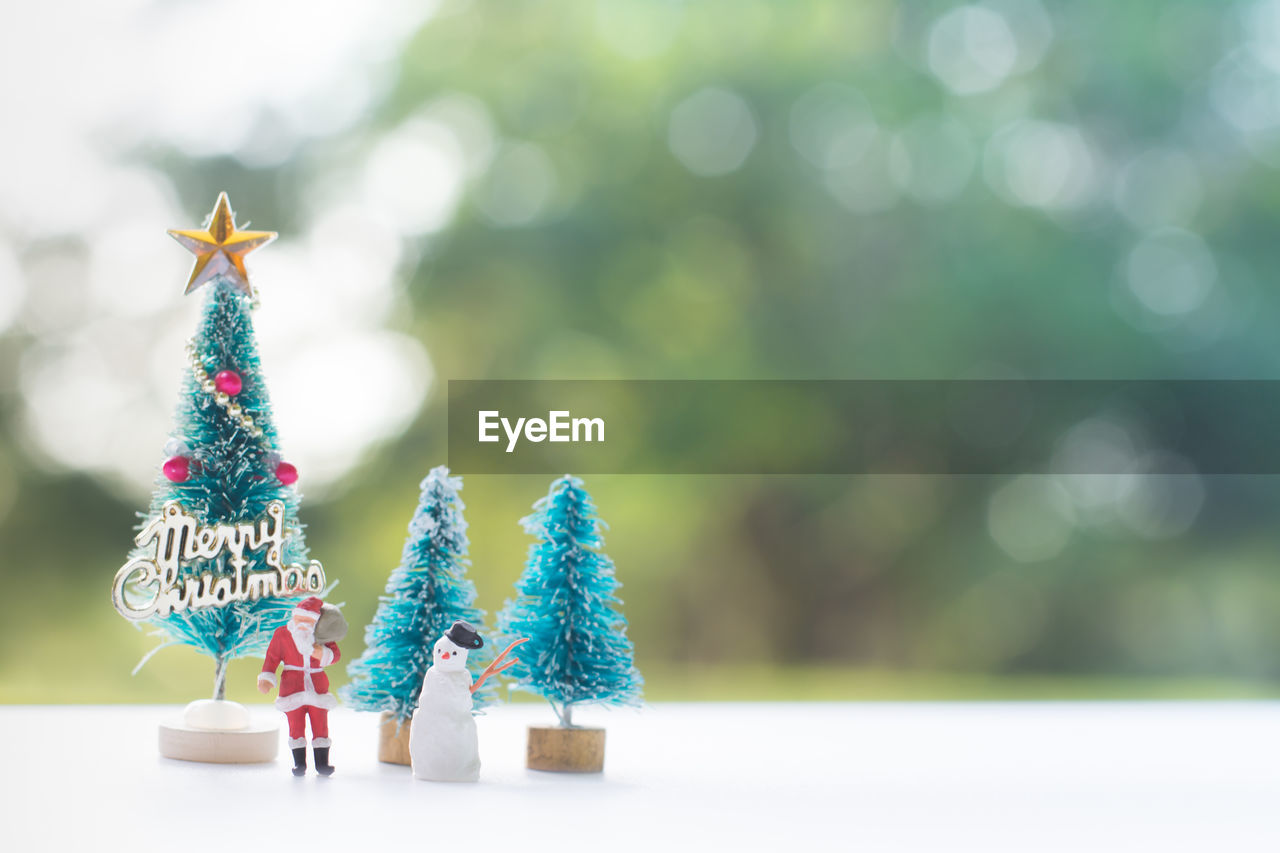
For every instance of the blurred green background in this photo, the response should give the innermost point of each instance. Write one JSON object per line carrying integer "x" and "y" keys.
{"x": 723, "y": 189}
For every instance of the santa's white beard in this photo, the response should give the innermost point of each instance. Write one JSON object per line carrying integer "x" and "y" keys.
{"x": 304, "y": 637}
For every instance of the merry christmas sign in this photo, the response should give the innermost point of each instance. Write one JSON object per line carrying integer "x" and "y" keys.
{"x": 179, "y": 539}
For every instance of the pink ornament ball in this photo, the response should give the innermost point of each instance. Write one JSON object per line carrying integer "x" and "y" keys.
{"x": 177, "y": 469}
{"x": 286, "y": 473}
{"x": 228, "y": 382}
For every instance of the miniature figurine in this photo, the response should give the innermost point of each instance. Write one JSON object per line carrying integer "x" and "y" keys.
{"x": 304, "y": 688}
{"x": 442, "y": 736}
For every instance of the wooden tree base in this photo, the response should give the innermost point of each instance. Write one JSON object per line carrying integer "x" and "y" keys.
{"x": 576, "y": 750}
{"x": 393, "y": 746}
{"x": 254, "y": 745}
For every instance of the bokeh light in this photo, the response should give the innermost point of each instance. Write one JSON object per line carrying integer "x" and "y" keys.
{"x": 1041, "y": 164}
{"x": 1030, "y": 518}
{"x": 1171, "y": 271}
{"x": 972, "y": 49}
{"x": 712, "y": 131}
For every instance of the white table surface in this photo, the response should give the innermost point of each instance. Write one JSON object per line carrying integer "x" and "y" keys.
{"x": 867, "y": 777}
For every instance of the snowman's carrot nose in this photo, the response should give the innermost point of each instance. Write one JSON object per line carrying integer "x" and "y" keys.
{"x": 498, "y": 666}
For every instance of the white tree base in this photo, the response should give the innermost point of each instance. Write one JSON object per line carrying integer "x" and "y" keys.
{"x": 253, "y": 745}
{"x": 219, "y": 732}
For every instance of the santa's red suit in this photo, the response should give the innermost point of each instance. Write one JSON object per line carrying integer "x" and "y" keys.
{"x": 304, "y": 688}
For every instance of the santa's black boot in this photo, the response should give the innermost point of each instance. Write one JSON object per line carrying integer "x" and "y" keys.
{"x": 323, "y": 767}
{"x": 300, "y": 761}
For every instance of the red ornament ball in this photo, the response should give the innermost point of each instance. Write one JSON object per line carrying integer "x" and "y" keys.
{"x": 177, "y": 469}
{"x": 286, "y": 473}
{"x": 228, "y": 382}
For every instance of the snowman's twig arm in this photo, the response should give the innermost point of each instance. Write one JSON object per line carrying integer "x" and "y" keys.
{"x": 498, "y": 666}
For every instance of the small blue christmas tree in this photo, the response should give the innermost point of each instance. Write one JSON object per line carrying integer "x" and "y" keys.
{"x": 578, "y": 649}
{"x": 224, "y": 464}
{"x": 425, "y": 595}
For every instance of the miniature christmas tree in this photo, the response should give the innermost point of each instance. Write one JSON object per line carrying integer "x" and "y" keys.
{"x": 578, "y": 649}
{"x": 223, "y": 518}
{"x": 425, "y": 595}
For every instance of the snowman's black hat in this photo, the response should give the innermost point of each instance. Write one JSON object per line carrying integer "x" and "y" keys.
{"x": 464, "y": 635}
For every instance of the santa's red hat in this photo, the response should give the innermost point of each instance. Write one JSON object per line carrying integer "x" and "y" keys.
{"x": 310, "y": 605}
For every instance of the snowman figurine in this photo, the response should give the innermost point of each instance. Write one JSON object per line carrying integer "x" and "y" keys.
{"x": 442, "y": 736}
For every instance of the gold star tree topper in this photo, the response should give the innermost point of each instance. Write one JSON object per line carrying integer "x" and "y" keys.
{"x": 220, "y": 248}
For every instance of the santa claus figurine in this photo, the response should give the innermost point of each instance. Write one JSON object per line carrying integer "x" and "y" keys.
{"x": 304, "y": 688}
